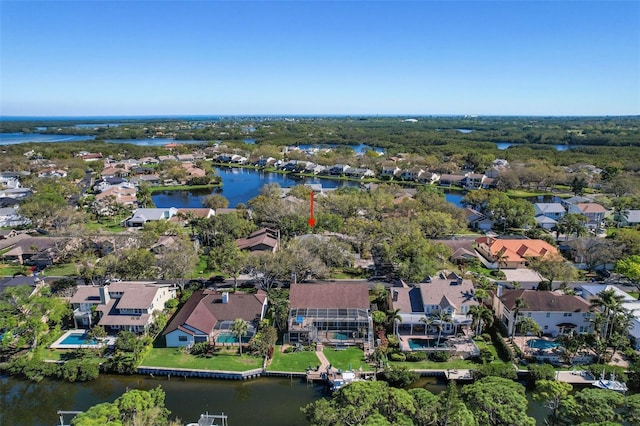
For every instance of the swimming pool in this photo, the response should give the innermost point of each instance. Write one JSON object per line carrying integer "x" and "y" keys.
{"x": 77, "y": 339}
{"x": 542, "y": 344}
{"x": 230, "y": 338}
{"x": 417, "y": 344}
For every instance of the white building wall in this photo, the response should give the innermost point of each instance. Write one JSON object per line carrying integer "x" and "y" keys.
{"x": 548, "y": 321}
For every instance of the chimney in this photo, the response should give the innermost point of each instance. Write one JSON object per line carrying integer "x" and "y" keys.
{"x": 225, "y": 297}
{"x": 499, "y": 290}
{"x": 104, "y": 294}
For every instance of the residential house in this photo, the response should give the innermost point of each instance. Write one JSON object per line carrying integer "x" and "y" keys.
{"x": 511, "y": 253}
{"x": 451, "y": 180}
{"x": 164, "y": 243}
{"x": 358, "y": 172}
{"x": 630, "y": 218}
{"x": 141, "y": 216}
{"x": 52, "y": 172}
{"x": 264, "y": 162}
{"x": 152, "y": 179}
{"x": 184, "y": 214}
{"x": 594, "y": 213}
{"x": 447, "y": 293}
{"x": 314, "y": 168}
{"x": 120, "y": 195}
{"x": 123, "y": 305}
{"x": 335, "y": 314}
{"x": 15, "y": 193}
{"x": 338, "y": 169}
{"x": 429, "y": 178}
{"x": 37, "y": 251}
{"x": 164, "y": 158}
{"x": 264, "y": 239}
{"x": 498, "y": 166}
{"x": 555, "y": 312}
{"x": 566, "y": 202}
{"x": 10, "y": 217}
{"x": 477, "y": 220}
{"x": 10, "y": 180}
{"x": 390, "y": 171}
{"x": 474, "y": 181}
{"x": 185, "y": 157}
{"x": 209, "y": 315}
{"x": 545, "y": 222}
{"x": 462, "y": 250}
{"x": 149, "y": 160}
{"x": 413, "y": 173}
{"x": 553, "y": 211}
{"x": 90, "y": 156}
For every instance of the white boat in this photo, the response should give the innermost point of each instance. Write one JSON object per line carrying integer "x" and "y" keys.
{"x": 210, "y": 420}
{"x": 612, "y": 384}
{"x": 342, "y": 379}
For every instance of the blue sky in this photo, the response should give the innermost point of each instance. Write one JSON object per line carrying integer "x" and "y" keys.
{"x": 61, "y": 58}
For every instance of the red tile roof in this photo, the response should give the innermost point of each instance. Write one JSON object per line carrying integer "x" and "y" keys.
{"x": 329, "y": 295}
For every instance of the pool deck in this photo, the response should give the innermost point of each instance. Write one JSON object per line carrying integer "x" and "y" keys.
{"x": 108, "y": 341}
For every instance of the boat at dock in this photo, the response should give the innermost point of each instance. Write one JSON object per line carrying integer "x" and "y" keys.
{"x": 611, "y": 384}
{"x": 210, "y": 420}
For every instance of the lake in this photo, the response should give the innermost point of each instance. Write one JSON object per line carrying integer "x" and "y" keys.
{"x": 505, "y": 145}
{"x": 240, "y": 185}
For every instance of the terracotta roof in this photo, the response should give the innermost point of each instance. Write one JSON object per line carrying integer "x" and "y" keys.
{"x": 329, "y": 295}
{"x": 591, "y": 208}
{"x": 544, "y": 301}
{"x": 518, "y": 249}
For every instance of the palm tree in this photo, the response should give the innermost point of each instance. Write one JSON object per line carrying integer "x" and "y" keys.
{"x": 393, "y": 318}
{"x": 611, "y": 304}
{"x": 501, "y": 258}
{"x": 519, "y": 304}
{"x": 481, "y": 317}
{"x": 239, "y": 329}
{"x": 428, "y": 322}
{"x": 441, "y": 319}
{"x": 528, "y": 325}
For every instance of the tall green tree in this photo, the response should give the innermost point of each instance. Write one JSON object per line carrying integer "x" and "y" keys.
{"x": 497, "y": 401}
{"x": 239, "y": 328}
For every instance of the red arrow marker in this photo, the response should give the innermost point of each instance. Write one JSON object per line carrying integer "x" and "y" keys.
{"x": 312, "y": 221}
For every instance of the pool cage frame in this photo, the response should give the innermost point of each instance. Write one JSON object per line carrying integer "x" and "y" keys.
{"x": 330, "y": 326}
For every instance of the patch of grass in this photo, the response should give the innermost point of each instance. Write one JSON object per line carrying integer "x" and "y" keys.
{"x": 521, "y": 193}
{"x": 294, "y": 361}
{"x": 225, "y": 360}
{"x": 62, "y": 270}
{"x": 345, "y": 359}
{"x": 11, "y": 270}
{"x": 634, "y": 294}
{"x": 107, "y": 225}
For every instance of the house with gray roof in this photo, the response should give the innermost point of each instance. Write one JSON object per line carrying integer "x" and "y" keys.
{"x": 208, "y": 316}
{"x": 630, "y": 218}
{"x": 553, "y": 211}
{"x": 142, "y": 216}
{"x": 446, "y": 293}
{"x": 122, "y": 305}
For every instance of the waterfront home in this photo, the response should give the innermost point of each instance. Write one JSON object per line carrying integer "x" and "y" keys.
{"x": 422, "y": 306}
{"x": 208, "y": 316}
{"x": 555, "y": 312}
{"x": 390, "y": 171}
{"x": 511, "y": 253}
{"x": 566, "y": 202}
{"x": 314, "y": 168}
{"x": 474, "y": 181}
{"x": 592, "y": 211}
{"x": 429, "y": 178}
{"x": 630, "y": 304}
{"x": 338, "y": 169}
{"x": 185, "y": 214}
{"x": 451, "y": 180}
{"x": 264, "y": 162}
{"x": 264, "y": 239}
{"x": 335, "y": 314}
{"x": 151, "y": 179}
{"x": 142, "y": 216}
{"x": 360, "y": 173}
{"x": 553, "y": 211}
{"x": 123, "y": 305}
{"x": 413, "y": 173}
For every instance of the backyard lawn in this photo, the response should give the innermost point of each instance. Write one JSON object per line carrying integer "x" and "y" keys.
{"x": 294, "y": 361}
{"x": 224, "y": 361}
{"x": 62, "y": 270}
{"x": 351, "y": 358}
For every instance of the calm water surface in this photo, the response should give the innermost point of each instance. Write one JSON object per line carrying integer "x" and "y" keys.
{"x": 17, "y": 138}
{"x": 240, "y": 185}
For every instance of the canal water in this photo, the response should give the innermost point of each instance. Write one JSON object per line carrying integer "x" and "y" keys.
{"x": 265, "y": 401}
{"x": 240, "y": 185}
